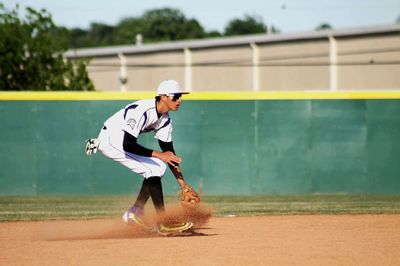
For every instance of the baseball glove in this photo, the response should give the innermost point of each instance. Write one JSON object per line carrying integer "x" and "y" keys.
{"x": 189, "y": 195}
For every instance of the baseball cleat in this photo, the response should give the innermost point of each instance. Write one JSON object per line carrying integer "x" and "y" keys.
{"x": 132, "y": 218}
{"x": 173, "y": 230}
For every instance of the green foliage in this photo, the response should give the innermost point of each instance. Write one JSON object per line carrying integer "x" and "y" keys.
{"x": 77, "y": 77}
{"x": 126, "y": 30}
{"x": 213, "y": 34}
{"x": 323, "y": 26}
{"x": 31, "y": 54}
{"x": 168, "y": 25}
{"x": 248, "y": 25}
{"x": 156, "y": 25}
{"x": 101, "y": 33}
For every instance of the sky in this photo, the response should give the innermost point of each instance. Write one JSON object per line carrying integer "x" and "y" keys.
{"x": 287, "y": 16}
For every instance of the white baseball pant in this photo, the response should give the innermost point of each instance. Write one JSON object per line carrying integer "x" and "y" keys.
{"x": 111, "y": 146}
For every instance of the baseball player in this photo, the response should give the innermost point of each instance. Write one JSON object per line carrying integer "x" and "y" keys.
{"x": 118, "y": 141}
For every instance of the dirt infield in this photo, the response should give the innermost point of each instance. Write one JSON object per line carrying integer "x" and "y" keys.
{"x": 268, "y": 240}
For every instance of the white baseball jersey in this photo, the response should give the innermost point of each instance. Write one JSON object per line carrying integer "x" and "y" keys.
{"x": 141, "y": 117}
{"x": 136, "y": 118}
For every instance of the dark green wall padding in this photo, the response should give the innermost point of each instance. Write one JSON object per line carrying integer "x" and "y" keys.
{"x": 228, "y": 147}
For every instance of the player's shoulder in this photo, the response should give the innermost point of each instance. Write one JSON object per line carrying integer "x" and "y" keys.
{"x": 141, "y": 105}
{"x": 138, "y": 109}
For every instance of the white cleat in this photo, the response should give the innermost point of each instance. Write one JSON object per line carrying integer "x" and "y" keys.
{"x": 132, "y": 218}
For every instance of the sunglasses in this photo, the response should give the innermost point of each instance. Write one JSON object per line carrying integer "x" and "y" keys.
{"x": 176, "y": 97}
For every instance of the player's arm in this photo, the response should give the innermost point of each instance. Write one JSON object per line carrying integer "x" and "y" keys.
{"x": 130, "y": 145}
{"x": 175, "y": 169}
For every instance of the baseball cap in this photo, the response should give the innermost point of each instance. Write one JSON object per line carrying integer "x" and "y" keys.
{"x": 169, "y": 87}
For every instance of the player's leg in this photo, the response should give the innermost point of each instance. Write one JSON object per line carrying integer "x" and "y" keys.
{"x": 134, "y": 214}
{"x": 156, "y": 193}
{"x": 152, "y": 169}
{"x": 111, "y": 147}
{"x": 157, "y": 197}
{"x": 151, "y": 187}
{"x": 143, "y": 196}
{"x": 147, "y": 167}
{"x": 137, "y": 208}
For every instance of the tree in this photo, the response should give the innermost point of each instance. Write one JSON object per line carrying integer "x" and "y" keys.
{"x": 168, "y": 25}
{"x": 31, "y": 58}
{"x": 213, "y": 34}
{"x": 61, "y": 36}
{"x": 126, "y": 30}
{"x": 101, "y": 34}
{"x": 78, "y": 38}
{"x": 248, "y": 25}
{"x": 323, "y": 26}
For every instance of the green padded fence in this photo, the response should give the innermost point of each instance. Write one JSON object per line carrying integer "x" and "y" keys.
{"x": 232, "y": 147}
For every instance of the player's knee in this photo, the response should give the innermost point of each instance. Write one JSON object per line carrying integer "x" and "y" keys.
{"x": 157, "y": 169}
{"x": 151, "y": 167}
{"x": 161, "y": 170}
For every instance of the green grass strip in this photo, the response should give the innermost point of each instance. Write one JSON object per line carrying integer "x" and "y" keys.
{"x": 34, "y": 208}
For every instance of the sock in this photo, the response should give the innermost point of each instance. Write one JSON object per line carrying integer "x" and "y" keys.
{"x": 143, "y": 196}
{"x": 156, "y": 193}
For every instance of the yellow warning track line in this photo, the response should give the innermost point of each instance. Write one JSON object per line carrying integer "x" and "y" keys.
{"x": 94, "y": 96}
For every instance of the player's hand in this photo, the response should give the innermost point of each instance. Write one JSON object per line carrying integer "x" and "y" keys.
{"x": 168, "y": 157}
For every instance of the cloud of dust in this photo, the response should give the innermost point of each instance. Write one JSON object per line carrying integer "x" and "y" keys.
{"x": 199, "y": 214}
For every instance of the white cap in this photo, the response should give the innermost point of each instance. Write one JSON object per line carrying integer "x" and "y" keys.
{"x": 169, "y": 87}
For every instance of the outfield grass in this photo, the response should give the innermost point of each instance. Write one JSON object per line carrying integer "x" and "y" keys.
{"x": 27, "y": 208}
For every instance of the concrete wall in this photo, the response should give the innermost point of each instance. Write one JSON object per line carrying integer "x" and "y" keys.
{"x": 285, "y": 66}
{"x": 370, "y": 52}
{"x": 351, "y": 62}
{"x": 104, "y": 72}
{"x": 145, "y": 78}
{"x": 217, "y": 74}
